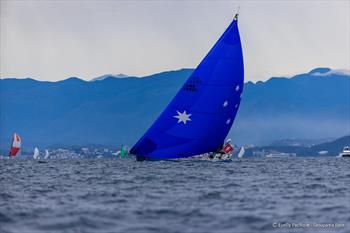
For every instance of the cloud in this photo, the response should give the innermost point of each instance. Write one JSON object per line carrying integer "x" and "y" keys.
{"x": 53, "y": 40}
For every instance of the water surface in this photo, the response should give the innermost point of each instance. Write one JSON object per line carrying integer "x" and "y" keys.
{"x": 104, "y": 195}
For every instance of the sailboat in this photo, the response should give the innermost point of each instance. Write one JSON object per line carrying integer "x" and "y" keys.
{"x": 123, "y": 151}
{"x": 47, "y": 154}
{"x": 241, "y": 153}
{"x": 36, "y": 153}
{"x": 15, "y": 145}
{"x": 199, "y": 117}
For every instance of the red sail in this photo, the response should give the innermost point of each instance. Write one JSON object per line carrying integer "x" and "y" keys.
{"x": 16, "y": 145}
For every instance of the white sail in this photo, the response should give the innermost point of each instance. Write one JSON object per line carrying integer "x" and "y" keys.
{"x": 36, "y": 153}
{"x": 241, "y": 152}
{"x": 47, "y": 154}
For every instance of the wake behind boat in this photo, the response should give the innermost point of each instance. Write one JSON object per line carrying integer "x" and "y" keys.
{"x": 201, "y": 114}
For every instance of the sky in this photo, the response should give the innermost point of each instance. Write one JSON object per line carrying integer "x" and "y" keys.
{"x": 54, "y": 40}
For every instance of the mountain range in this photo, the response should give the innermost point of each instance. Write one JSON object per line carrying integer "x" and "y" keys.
{"x": 330, "y": 148}
{"x": 112, "y": 110}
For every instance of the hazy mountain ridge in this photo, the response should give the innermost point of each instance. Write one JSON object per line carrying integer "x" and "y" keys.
{"x": 100, "y": 78}
{"x": 330, "y": 148}
{"x": 119, "y": 110}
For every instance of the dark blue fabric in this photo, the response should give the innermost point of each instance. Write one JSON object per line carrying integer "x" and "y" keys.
{"x": 211, "y": 95}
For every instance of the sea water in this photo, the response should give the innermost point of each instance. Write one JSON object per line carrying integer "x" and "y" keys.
{"x": 109, "y": 195}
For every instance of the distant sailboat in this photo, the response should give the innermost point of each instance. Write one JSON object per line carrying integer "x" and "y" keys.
{"x": 36, "y": 153}
{"x": 201, "y": 114}
{"x": 123, "y": 151}
{"x": 15, "y": 145}
{"x": 241, "y": 152}
{"x": 47, "y": 154}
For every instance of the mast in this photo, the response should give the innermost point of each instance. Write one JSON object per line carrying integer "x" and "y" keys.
{"x": 236, "y": 15}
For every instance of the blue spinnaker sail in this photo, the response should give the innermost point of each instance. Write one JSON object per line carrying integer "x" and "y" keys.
{"x": 199, "y": 117}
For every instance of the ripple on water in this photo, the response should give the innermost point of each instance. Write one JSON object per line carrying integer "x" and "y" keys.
{"x": 103, "y": 195}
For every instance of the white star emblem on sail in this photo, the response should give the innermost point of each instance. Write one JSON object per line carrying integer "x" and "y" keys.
{"x": 183, "y": 117}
